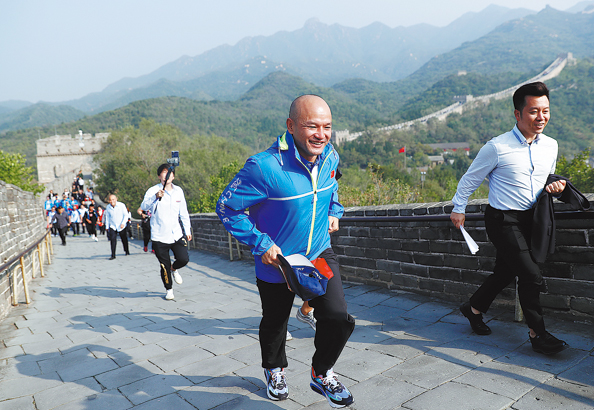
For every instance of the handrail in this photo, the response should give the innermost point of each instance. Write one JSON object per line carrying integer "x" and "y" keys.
{"x": 8, "y": 264}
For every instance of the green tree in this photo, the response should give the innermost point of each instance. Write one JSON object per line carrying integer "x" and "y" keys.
{"x": 207, "y": 202}
{"x": 129, "y": 160}
{"x": 14, "y": 171}
{"x": 378, "y": 192}
{"x": 578, "y": 171}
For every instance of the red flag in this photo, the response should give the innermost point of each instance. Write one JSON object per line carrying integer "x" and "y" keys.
{"x": 401, "y": 150}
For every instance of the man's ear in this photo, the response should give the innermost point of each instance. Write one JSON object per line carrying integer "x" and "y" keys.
{"x": 290, "y": 125}
{"x": 518, "y": 115}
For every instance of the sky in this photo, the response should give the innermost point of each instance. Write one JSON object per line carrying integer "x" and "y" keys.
{"x": 59, "y": 50}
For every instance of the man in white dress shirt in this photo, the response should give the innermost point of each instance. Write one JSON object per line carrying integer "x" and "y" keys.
{"x": 170, "y": 226}
{"x": 115, "y": 218}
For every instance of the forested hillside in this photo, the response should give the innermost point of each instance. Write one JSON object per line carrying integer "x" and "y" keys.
{"x": 259, "y": 115}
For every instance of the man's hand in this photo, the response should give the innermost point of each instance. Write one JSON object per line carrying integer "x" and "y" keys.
{"x": 333, "y": 225}
{"x": 160, "y": 193}
{"x": 556, "y": 187}
{"x": 270, "y": 257}
{"x": 457, "y": 219}
{"x": 122, "y": 226}
{"x": 189, "y": 237}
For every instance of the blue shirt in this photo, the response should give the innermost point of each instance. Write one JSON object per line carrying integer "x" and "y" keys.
{"x": 517, "y": 171}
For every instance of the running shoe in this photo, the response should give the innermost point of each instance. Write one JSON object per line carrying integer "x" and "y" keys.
{"x": 169, "y": 294}
{"x": 177, "y": 277}
{"x": 276, "y": 383}
{"x": 334, "y": 391}
{"x": 289, "y": 336}
{"x": 307, "y": 319}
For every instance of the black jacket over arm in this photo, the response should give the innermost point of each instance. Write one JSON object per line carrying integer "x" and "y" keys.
{"x": 543, "y": 221}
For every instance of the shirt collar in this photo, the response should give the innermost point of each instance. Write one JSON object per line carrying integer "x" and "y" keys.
{"x": 310, "y": 165}
{"x": 520, "y": 137}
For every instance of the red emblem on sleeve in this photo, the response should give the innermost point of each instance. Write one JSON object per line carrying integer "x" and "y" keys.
{"x": 332, "y": 174}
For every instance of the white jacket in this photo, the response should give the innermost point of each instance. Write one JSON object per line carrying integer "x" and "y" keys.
{"x": 166, "y": 213}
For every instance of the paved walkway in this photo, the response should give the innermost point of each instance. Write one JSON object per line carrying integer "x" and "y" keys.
{"x": 99, "y": 335}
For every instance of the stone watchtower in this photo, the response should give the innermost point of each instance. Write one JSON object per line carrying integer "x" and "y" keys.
{"x": 61, "y": 157}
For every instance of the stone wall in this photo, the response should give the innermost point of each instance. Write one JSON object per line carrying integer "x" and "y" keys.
{"x": 22, "y": 223}
{"x": 430, "y": 257}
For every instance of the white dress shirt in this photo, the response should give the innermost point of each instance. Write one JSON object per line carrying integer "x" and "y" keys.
{"x": 166, "y": 213}
{"x": 116, "y": 217}
{"x": 517, "y": 171}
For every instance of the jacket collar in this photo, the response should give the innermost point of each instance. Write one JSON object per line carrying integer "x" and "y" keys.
{"x": 285, "y": 142}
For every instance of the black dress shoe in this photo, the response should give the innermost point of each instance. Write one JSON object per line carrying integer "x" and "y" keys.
{"x": 546, "y": 343}
{"x": 112, "y": 258}
{"x": 476, "y": 321}
{"x": 127, "y": 253}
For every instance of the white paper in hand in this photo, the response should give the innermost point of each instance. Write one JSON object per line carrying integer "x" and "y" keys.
{"x": 469, "y": 241}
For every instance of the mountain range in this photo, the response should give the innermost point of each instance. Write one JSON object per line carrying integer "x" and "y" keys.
{"x": 510, "y": 53}
{"x": 376, "y": 52}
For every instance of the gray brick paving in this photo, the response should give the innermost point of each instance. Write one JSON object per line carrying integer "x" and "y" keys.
{"x": 99, "y": 335}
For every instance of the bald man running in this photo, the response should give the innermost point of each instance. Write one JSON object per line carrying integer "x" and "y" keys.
{"x": 291, "y": 192}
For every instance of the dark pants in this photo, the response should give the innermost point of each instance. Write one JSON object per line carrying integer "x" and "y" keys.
{"x": 113, "y": 239}
{"x": 75, "y": 226}
{"x": 334, "y": 324}
{"x": 91, "y": 229}
{"x": 180, "y": 251}
{"x": 510, "y": 233}
{"x": 62, "y": 232}
{"x": 146, "y": 235}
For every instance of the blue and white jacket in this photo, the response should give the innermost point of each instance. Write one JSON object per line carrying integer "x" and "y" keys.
{"x": 287, "y": 205}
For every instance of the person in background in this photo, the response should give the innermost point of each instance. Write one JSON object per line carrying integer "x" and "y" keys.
{"x": 115, "y": 218}
{"x": 62, "y": 222}
{"x": 75, "y": 221}
{"x": 129, "y": 223}
{"x": 100, "y": 223}
{"x": 50, "y": 219}
{"x": 170, "y": 226}
{"x": 90, "y": 219}
{"x": 48, "y": 204}
{"x": 82, "y": 210}
{"x": 145, "y": 224}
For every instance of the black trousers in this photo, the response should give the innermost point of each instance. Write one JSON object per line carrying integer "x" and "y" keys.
{"x": 180, "y": 251}
{"x": 334, "y": 324}
{"x": 510, "y": 233}
{"x": 113, "y": 239}
{"x": 146, "y": 235}
{"x": 75, "y": 226}
{"x": 91, "y": 229}
{"x": 62, "y": 232}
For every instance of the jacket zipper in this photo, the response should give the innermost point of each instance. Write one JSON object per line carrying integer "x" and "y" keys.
{"x": 314, "y": 185}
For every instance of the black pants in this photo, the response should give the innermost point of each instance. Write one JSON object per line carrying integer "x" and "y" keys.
{"x": 334, "y": 324}
{"x": 91, "y": 229}
{"x": 180, "y": 251}
{"x": 510, "y": 233}
{"x": 62, "y": 232}
{"x": 146, "y": 235}
{"x": 75, "y": 228}
{"x": 113, "y": 239}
